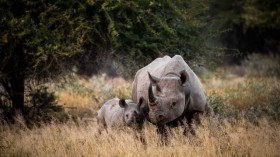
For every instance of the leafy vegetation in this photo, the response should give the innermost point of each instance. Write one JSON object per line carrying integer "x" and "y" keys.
{"x": 253, "y": 24}
{"x": 133, "y": 33}
{"x": 42, "y": 108}
{"x": 37, "y": 37}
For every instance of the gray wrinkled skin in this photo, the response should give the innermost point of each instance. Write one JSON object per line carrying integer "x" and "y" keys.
{"x": 119, "y": 113}
{"x": 172, "y": 91}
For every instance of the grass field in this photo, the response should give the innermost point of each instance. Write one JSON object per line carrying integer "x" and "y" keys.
{"x": 245, "y": 100}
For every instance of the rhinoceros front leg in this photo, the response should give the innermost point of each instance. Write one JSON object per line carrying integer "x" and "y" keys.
{"x": 161, "y": 129}
{"x": 192, "y": 117}
{"x": 140, "y": 135}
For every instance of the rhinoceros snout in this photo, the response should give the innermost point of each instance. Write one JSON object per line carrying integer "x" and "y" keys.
{"x": 157, "y": 118}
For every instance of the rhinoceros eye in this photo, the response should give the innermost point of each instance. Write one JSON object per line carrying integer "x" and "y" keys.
{"x": 173, "y": 104}
{"x": 126, "y": 115}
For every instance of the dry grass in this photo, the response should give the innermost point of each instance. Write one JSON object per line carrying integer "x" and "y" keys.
{"x": 213, "y": 139}
{"x": 238, "y": 87}
{"x": 93, "y": 92}
{"x": 243, "y": 92}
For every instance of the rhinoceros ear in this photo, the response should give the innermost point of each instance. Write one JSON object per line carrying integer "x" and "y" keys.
{"x": 141, "y": 102}
{"x": 122, "y": 103}
{"x": 184, "y": 77}
{"x": 154, "y": 80}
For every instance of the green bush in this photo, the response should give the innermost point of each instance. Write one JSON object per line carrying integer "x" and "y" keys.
{"x": 43, "y": 108}
{"x": 220, "y": 108}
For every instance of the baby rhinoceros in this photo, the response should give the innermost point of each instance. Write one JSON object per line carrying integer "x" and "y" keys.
{"x": 118, "y": 113}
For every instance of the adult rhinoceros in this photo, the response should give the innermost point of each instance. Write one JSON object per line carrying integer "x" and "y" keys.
{"x": 172, "y": 92}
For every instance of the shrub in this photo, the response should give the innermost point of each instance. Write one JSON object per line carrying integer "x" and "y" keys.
{"x": 43, "y": 108}
{"x": 220, "y": 108}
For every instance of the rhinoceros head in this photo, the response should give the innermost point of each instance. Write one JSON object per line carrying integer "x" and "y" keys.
{"x": 132, "y": 114}
{"x": 167, "y": 97}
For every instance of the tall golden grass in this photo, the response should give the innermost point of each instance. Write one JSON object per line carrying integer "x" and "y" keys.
{"x": 214, "y": 137}
{"x": 93, "y": 92}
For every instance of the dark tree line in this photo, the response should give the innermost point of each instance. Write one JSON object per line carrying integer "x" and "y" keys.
{"x": 254, "y": 26}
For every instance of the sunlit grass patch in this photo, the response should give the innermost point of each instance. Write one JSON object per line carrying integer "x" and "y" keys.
{"x": 79, "y": 92}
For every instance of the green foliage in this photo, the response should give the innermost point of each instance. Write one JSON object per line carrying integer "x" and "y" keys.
{"x": 48, "y": 32}
{"x": 226, "y": 12}
{"x": 37, "y": 40}
{"x": 253, "y": 25}
{"x": 144, "y": 30}
{"x": 263, "y": 14}
{"x": 248, "y": 13}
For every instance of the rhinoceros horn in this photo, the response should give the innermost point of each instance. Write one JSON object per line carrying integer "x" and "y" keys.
{"x": 153, "y": 82}
{"x": 152, "y": 98}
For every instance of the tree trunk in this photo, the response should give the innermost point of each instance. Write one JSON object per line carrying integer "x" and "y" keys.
{"x": 17, "y": 95}
{"x": 13, "y": 81}
{"x": 17, "y": 78}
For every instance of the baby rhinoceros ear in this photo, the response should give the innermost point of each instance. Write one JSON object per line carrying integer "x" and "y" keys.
{"x": 122, "y": 103}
